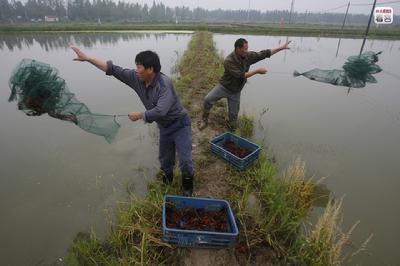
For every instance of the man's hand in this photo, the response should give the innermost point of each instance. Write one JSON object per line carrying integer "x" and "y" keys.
{"x": 134, "y": 116}
{"x": 285, "y": 45}
{"x": 261, "y": 71}
{"x": 80, "y": 55}
{"x": 256, "y": 71}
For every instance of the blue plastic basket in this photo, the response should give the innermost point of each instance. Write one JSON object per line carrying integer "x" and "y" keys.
{"x": 216, "y": 146}
{"x": 195, "y": 238}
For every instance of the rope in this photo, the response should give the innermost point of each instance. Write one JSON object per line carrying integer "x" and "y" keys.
{"x": 280, "y": 73}
{"x": 391, "y": 74}
{"x": 365, "y": 4}
{"x": 331, "y": 9}
{"x": 382, "y": 3}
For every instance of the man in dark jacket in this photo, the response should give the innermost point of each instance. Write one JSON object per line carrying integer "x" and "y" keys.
{"x": 158, "y": 96}
{"x": 237, "y": 71}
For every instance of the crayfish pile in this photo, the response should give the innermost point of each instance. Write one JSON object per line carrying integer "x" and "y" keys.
{"x": 189, "y": 218}
{"x": 235, "y": 149}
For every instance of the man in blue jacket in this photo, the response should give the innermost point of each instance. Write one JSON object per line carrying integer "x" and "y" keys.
{"x": 158, "y": 96}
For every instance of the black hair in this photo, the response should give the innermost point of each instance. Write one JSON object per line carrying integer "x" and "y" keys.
{"x": 240, "y": 43}
{"x": 148, "y": 59}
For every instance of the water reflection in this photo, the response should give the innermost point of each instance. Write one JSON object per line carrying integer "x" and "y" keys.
{"x": 321, "y": 195}
{"x": 52, "y": 41}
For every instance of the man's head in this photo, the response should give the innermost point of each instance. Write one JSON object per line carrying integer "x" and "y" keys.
{"x": 241, "y": 47}
{"x": 147, "y": 65}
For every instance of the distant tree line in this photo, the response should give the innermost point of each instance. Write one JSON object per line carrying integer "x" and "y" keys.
{"x": 12, "y": 11}
{"x": 52, "y": 41}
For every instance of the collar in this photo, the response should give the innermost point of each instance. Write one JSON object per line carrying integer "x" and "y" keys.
{"x": 238, "y": 58}
{"x": 153, "y": 82}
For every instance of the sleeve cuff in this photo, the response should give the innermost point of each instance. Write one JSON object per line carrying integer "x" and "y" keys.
{"x": 269, "y": 53}
{"x": 144, "y": 117}
{"x": 109, "y": 68}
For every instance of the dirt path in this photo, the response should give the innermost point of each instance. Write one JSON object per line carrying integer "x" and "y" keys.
{"x": 210, "y": 171}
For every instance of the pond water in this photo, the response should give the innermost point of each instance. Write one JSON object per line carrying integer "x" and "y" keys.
{"x": 349, "y": 137}
{"x": 56, "y": 179}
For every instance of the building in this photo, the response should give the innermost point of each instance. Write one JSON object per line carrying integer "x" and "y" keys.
{"x": 50, "y": 18}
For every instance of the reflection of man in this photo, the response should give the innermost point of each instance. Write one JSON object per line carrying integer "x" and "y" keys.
{"x": 237, "y": 65}
{"x": 157, "y": 94}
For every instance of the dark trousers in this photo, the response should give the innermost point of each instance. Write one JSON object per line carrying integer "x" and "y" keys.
{"x": 217, "y": 93}
{"x": 177, "y": 138}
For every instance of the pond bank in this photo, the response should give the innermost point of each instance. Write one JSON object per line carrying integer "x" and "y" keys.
{"x": 311, "y": 30}
{"x": 270, "y": 209}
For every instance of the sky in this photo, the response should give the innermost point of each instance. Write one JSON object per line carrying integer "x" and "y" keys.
{"x": 264, "y": 5}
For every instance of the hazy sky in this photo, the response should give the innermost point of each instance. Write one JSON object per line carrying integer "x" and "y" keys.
{"x": 263, "y": 5}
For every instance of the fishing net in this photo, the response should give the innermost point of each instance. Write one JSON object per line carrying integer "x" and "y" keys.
{"x": 356, "y": 71}
{"x": 39, "y": 90}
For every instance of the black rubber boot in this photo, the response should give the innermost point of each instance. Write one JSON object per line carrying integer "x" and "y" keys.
{"x": 187, "y": 185}
{"x": 168, "y": 177}
{"x": 204, "y": 119}
{"x": 232, "y": 125}
{"x": 203, "y": 124}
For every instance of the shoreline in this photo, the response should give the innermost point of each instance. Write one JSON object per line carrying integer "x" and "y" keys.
{"x": 389, "y": 32}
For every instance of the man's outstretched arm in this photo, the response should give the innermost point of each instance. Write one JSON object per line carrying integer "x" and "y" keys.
{"x": 280, "y": 48}
{"x": 100, "y": 64}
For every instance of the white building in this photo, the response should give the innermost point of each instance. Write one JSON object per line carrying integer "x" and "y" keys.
{"x": 50, "y": 18}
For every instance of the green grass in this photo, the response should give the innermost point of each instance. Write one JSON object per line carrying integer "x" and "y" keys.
{"x": 324, "y": 243}
{"x": 135, "y": 237}
{"x": 245, "y": 126}
{"x": 284, "y": 202}
{"x": 280, "y": 210}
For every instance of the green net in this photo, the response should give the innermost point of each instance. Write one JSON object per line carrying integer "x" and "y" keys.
{"x": 39, "y": 90}
{"x": 357, "y": 71}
